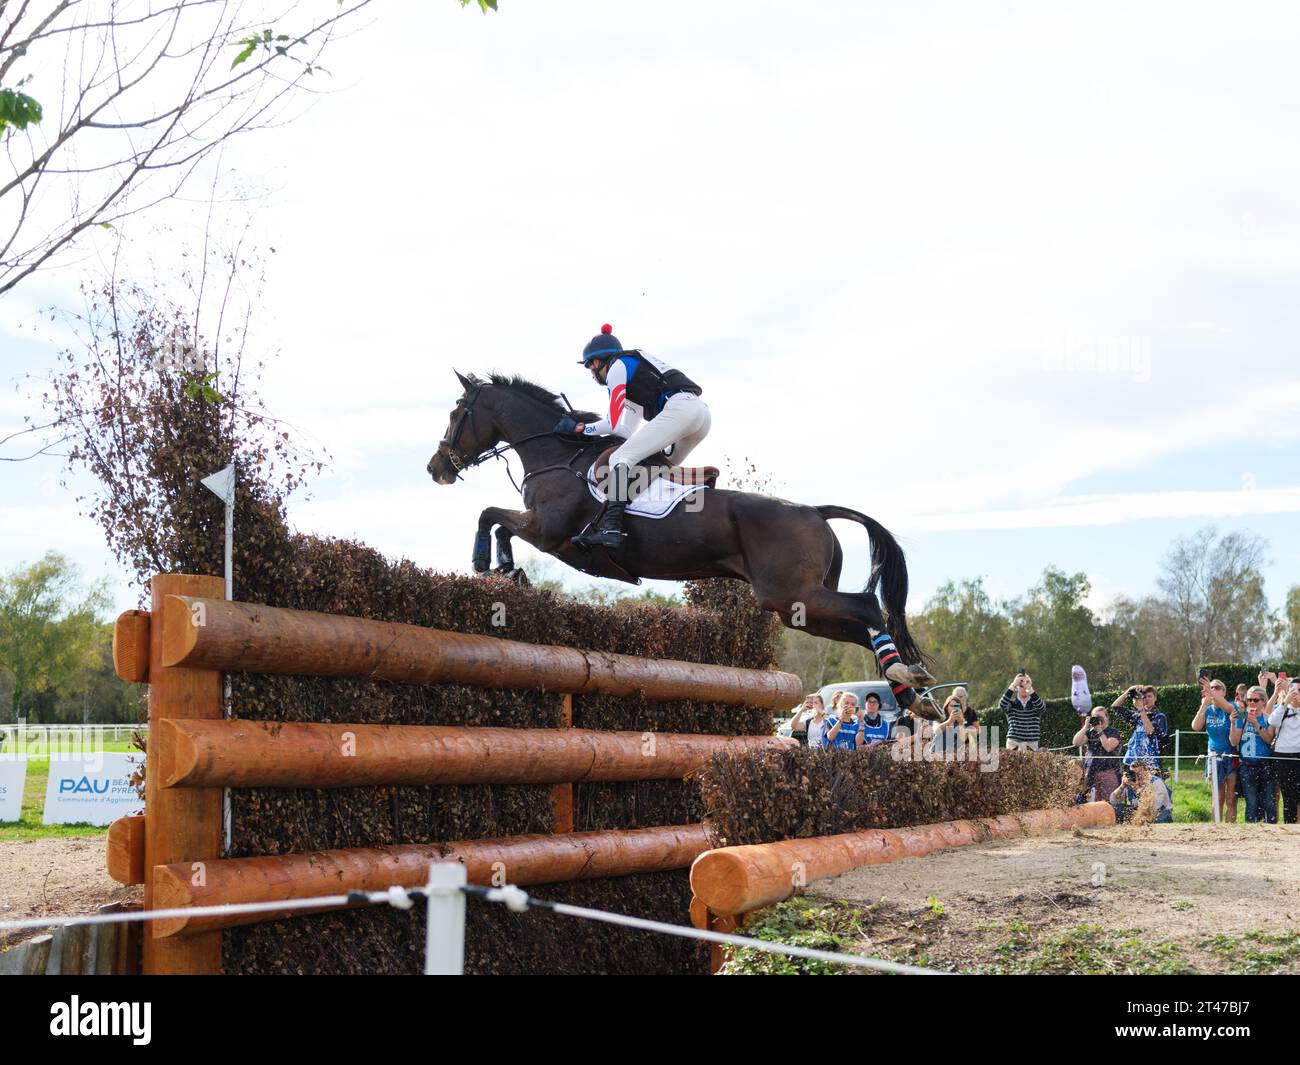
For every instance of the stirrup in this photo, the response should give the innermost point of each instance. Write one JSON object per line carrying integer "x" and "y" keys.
{"x": 610, "y": 538}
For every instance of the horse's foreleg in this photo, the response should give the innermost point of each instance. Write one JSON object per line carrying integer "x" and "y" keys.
{"x": 509, "y": 523}
{"x": 505, "y": 556}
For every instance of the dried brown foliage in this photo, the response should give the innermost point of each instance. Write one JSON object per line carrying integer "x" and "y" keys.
{"x": 798, "y": 793}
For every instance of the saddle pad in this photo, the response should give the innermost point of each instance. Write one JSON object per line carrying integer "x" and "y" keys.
{"x": 659, "y": 499}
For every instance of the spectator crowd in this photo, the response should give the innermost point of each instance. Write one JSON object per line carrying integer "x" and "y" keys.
{"x": 1253, "y": 740}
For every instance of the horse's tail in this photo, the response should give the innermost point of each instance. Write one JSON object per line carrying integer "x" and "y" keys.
{"x": 888, "y": 574}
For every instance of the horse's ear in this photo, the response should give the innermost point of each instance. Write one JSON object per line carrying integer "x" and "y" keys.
{"x": 465, "y": 381}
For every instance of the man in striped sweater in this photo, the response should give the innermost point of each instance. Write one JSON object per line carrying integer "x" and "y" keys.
{"x": 1024, "y": 709}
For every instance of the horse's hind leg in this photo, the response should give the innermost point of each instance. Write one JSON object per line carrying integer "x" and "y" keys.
{"x": 850, "y": 617}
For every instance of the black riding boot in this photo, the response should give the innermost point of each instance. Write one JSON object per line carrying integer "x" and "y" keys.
{"x": 610, "y": 532}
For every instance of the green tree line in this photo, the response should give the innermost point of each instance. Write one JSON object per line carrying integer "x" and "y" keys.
{"x": 1209, "y": 606}
{"x": 56, "y": 648}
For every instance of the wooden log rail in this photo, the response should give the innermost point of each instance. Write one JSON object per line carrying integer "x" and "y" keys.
{"x": 736, "y": 880}
{"x": 520, "y": 860}
{"x": 274, "y": 754}
{"x": 189, "y": 635}
{"x": 212, "y": 634}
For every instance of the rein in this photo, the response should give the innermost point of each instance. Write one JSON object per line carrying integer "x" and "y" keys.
{"x": 460, "y": 462}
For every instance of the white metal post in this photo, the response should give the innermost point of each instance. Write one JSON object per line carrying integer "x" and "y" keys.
{"x": 1178, "y": 747}
{"x": 444, "y": 942}
{"x": 222, "y": 485}
{"x": 1214, "y": 786}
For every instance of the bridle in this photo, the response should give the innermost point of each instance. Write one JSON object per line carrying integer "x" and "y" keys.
{"x": 449, "y": 444}
{"x": 460, "y": 462}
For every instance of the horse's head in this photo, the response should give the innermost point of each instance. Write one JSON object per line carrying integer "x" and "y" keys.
{"x": 470, "y": 432}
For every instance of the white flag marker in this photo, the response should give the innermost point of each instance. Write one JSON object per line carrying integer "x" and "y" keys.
{"x": 222, "y": 485}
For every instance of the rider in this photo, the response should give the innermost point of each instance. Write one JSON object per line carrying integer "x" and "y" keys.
{"x": 639, "y": 387}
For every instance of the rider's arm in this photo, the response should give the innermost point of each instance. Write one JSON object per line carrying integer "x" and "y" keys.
{"x": 620, "y": 421}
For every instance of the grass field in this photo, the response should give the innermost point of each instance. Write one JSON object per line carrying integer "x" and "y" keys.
{"x": 29, "y": 824}
{"x": 1192, "y": 801}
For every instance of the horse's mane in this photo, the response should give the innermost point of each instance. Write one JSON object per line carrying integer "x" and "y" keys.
{"x": 515, "y": 383}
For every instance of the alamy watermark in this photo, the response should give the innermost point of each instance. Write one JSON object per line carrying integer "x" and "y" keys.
{"x": 1113, "y": 355}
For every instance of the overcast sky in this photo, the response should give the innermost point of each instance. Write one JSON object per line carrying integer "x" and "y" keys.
{"x": 1018, "y": 280}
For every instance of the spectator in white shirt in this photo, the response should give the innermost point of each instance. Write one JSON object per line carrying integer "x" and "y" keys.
{"x": 1284, "y": 719}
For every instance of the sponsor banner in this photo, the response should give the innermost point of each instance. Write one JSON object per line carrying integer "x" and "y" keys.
{"x": 13, "y": 773}
{"x": 95, "y": 790}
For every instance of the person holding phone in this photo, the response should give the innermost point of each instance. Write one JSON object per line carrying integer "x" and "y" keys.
{"x": 1214, "y": 718}
{"x": 810, "y": 722}
{"x": 1253, "y": 735}
{"x": 1284, "y": 719}
{"x": 845, "y": 727}
{"x": 1024, "y": 708}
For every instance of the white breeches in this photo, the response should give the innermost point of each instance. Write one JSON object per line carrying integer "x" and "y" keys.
{"x": 676, "y": 430}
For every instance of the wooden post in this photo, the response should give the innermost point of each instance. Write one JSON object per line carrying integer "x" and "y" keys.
{"x": 562, "y": 794}
{"x": 182, "y": 825}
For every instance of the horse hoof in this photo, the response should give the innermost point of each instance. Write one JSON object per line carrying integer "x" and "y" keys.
{"x": 916, "y": 676}
{"x": 514, "y": 573}
{"x": 925, "y": 707}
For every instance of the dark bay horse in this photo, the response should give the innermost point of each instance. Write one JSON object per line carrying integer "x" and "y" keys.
{"x": 786, "y": 551}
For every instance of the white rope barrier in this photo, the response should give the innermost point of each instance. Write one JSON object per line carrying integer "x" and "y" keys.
{"x": 402, "y": 898}
{"x": 445, "y": 917}
{"x": 518, "y": 900}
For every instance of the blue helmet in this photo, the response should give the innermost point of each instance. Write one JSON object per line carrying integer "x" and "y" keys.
{"x": 602, "y": 346}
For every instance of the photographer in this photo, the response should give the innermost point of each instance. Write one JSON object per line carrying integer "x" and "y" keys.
{"x": 949, "y": 735}
{"x": 1253, "y": 735}
{"x": 1101, "y": 763}
{"x": 1024, "y": 709}
{"x": 1140, "y": 782}
{"x": 1150, "y": 727}
{"x": 970, "y": 719}
{"x": 844, "y": 729}
{"x": 1214, "y": 718}
{"x": 810, "y": 722}
{"x": 1284, "y": 720}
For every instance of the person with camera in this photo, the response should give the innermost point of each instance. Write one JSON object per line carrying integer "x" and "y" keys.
{"x": 1253, "y": 736}
{"x": 970, "y": 718}
{"x": 1024, "y": 709}
{"x": 1139, "y": 780}
{"x": 1150, "y": 726}
{"x": 810, "y": 722}
{"x": 1283, "y": 710}
{"x": 1214, "y": 718}
{"x": 845, "y": 726}
{"x": 1101, "y": 765}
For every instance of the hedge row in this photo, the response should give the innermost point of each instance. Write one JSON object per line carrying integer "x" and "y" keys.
{"x": 794, "y": 794}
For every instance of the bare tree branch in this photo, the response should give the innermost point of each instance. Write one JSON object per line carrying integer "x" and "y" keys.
{"x": 133, "y": 94}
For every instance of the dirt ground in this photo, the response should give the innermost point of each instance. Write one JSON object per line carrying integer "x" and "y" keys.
{"x": 41, "y": 877}
{"x": 1178, "y": 897}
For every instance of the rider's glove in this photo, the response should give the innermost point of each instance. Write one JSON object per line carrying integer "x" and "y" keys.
{"x": 567, "y": 426}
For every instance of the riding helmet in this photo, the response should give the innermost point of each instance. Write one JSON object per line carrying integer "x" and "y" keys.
{"x": 603, "y": 345}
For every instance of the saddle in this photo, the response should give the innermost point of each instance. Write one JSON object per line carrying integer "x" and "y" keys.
{"x": 660, "y": 467}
